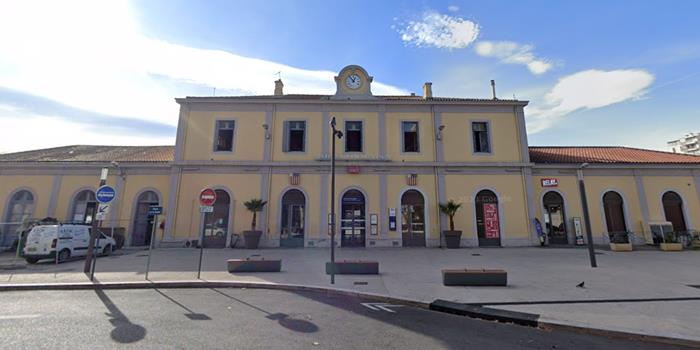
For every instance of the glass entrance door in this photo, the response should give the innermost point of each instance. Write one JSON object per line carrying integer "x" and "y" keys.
{"x": 554, "y": 218}
{"x": 352, "y": 222}
{"x": 413, "y": 219}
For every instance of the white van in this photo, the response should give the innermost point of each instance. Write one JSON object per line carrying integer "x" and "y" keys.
{"x": 68, "y": 240}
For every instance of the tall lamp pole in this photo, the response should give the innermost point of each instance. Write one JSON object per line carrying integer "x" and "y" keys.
{"x": 586, "y": 215}
{"x": 339, "y": 134}
{"x": 90, "y": 256}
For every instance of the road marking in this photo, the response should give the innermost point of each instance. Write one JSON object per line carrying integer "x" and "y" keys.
{"x": 17, "y": 317}
{"x": 380, "y": 307}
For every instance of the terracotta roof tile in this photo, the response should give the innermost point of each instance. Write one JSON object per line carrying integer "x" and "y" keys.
{"x": 416, "y": 98}
{"x": 595, "y": 154}
{"x": 83, "y": 153}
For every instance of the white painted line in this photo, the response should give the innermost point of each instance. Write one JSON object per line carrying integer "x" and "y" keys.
{"x": 380, "y": 307}
{"x": 18, "y": 317}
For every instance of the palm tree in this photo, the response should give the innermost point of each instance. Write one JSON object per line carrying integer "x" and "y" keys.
{"x": 450, "y": 209}
{"x": 255, "y": 205}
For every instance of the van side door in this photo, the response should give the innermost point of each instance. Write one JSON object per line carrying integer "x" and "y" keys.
{"x": 81, "y": 238}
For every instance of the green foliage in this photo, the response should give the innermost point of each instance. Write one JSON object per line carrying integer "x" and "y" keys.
{"x": 450, "y": 209}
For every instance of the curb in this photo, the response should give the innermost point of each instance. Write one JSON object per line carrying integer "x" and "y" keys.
{"x": 534, "y": 320}
{"x": 207, "y": 284}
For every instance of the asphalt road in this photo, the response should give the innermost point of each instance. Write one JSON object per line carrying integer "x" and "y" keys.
{"x": 256, "y": 319}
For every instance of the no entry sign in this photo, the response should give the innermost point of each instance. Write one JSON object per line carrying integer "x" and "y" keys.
{"x": 207, "y": 197}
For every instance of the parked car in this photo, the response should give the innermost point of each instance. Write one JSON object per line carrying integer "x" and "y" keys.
{"x": 68, "y": 240}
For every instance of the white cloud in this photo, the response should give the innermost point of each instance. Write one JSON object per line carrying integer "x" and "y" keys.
{"x": 587, "y": 89}
{"x": 453, "y": 8}
{"x": 441, "y": 31}
{"x": 92, "y": 55}
{"x": 513, "y": 53}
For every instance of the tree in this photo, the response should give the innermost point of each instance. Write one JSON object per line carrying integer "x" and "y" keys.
{"x": 254, "y": 206}
{"x": 450, "y": 209}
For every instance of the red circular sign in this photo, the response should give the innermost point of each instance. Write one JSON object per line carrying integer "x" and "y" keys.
{"x": 207, "y": 197}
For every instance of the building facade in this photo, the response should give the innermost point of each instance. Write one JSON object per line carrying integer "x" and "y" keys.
{"x": 399, "y": 157}
{"x": 688, "y": 144}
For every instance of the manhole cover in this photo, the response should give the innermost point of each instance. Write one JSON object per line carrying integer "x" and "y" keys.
{"x": 12, "y": 267}
{"x": 476, "y": 254}
{"x": 360, "y": 283}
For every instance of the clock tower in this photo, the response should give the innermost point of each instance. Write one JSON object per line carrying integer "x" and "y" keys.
{"x": 353, "y": 83}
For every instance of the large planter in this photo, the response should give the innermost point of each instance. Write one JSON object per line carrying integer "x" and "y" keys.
{"x": 252, "y": 239}
{"x": 671, "y": 247}
{"x": 621, "y": 247}
{"x": 452, "y": 238}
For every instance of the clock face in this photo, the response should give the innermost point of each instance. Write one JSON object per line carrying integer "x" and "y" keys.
{"x": 353, "y": 81}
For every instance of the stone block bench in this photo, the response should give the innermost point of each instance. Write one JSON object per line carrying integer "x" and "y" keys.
{"x": 474, "y": 277}
{"x": 254, "y": 265}
{"x": 356, "y": 267}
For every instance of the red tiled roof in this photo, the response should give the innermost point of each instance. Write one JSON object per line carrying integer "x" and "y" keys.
{"x": 84, "y": 153}
{"x": 595, "y": 154}
{"x": 311, "y": 97}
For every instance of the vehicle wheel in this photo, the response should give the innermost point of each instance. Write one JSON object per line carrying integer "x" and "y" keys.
{"x": 64, "y": 255}
{"x": 31, "y": 260}
{"x": 108, "y": 250}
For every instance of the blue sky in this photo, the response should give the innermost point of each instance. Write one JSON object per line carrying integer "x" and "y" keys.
{"x": 596, "y": 73}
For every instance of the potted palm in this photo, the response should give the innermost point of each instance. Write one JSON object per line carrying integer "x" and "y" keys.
{"x": 252, "y": 237}
{"x": 620, "y": 242}
{"x": 671, "y": 243}
{"x": 452, "y": 237}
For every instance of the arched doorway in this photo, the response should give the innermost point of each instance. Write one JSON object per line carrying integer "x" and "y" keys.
{"x": 143, "y": 223}
{"x": 216, "y": 223}
{"x": 292, "y": 219}
{"x": 84, "y": 207}
{"x": 413, "y": 219}
{"x": 20, "y": 208}
{"x": 673, "y": 210}
{"x": 554, "y": 218}
{"x": 487, "y": 219}
{"x": 352, "y": 222}
{"x": 613, "y": 205}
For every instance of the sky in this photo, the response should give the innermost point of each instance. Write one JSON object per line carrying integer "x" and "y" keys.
{"x": 106, "y": 72}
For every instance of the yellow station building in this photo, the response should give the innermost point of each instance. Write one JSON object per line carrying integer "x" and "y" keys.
{"x": 398, "y": 158}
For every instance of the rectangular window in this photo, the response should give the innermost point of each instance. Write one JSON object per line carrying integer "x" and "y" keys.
{"x": 294, "y": 136}
{"x": 353, "y": 136}
{"x": 410, "y": 136}
{"x": 480, "y": 135}
{"x": 224, "y": 135}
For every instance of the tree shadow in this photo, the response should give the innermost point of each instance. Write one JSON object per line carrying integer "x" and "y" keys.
{"x": 284, "y": 320}
{"x": 124, "y": 331}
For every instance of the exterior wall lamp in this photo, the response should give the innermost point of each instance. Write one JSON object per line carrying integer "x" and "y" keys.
{"x": 267, "y": 132}
{"x": 439, "y": 133}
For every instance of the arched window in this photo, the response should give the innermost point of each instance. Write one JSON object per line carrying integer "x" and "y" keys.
{"x": 413, "y": 219}
{"x": 84, "y": 207}
{"x": 216, "y": 223}
{"x": 487, "y": 218}
{"x": 292, "y": 219}
{"x": 143, "y": 223}
{"x": 613, "y": 206}
{"x": 20, "y": 208}
{"x": 554, "y": 218}
{"x": 673, "y": 210}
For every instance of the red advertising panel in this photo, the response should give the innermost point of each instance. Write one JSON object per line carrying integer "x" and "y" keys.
{"x": 207, "y": 197}
{"x": 491, "y": 220}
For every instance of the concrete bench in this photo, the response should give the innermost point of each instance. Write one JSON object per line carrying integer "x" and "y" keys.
{"x": 474, "y": 277}
{"x": 254, "y": 265}
{"x": 356, "y": 267}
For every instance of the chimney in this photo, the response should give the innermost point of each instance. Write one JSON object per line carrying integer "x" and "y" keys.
{"x": 427, "y": 90}
{"x": 493, "y": 89}
{"x": 278, "y": 87}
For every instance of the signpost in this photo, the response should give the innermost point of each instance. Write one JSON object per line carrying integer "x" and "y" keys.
{"x": 154, "y": 211}
{"x": 105, "y": 194}
{"x": 207, "y": 198}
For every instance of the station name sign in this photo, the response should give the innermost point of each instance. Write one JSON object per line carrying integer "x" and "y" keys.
{"x": 550, "y": 182}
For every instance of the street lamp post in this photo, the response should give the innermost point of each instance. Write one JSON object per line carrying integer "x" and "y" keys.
{"x": 586, "y": 215}
{"x": 90, "y": 256}
{"x": 339, "y": 134}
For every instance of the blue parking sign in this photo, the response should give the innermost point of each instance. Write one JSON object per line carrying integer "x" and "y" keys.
{"x": 105, "y": 194}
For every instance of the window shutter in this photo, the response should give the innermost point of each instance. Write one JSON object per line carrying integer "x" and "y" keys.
{"x": 285, "y": 137}
{"x": 303, "y": 124}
